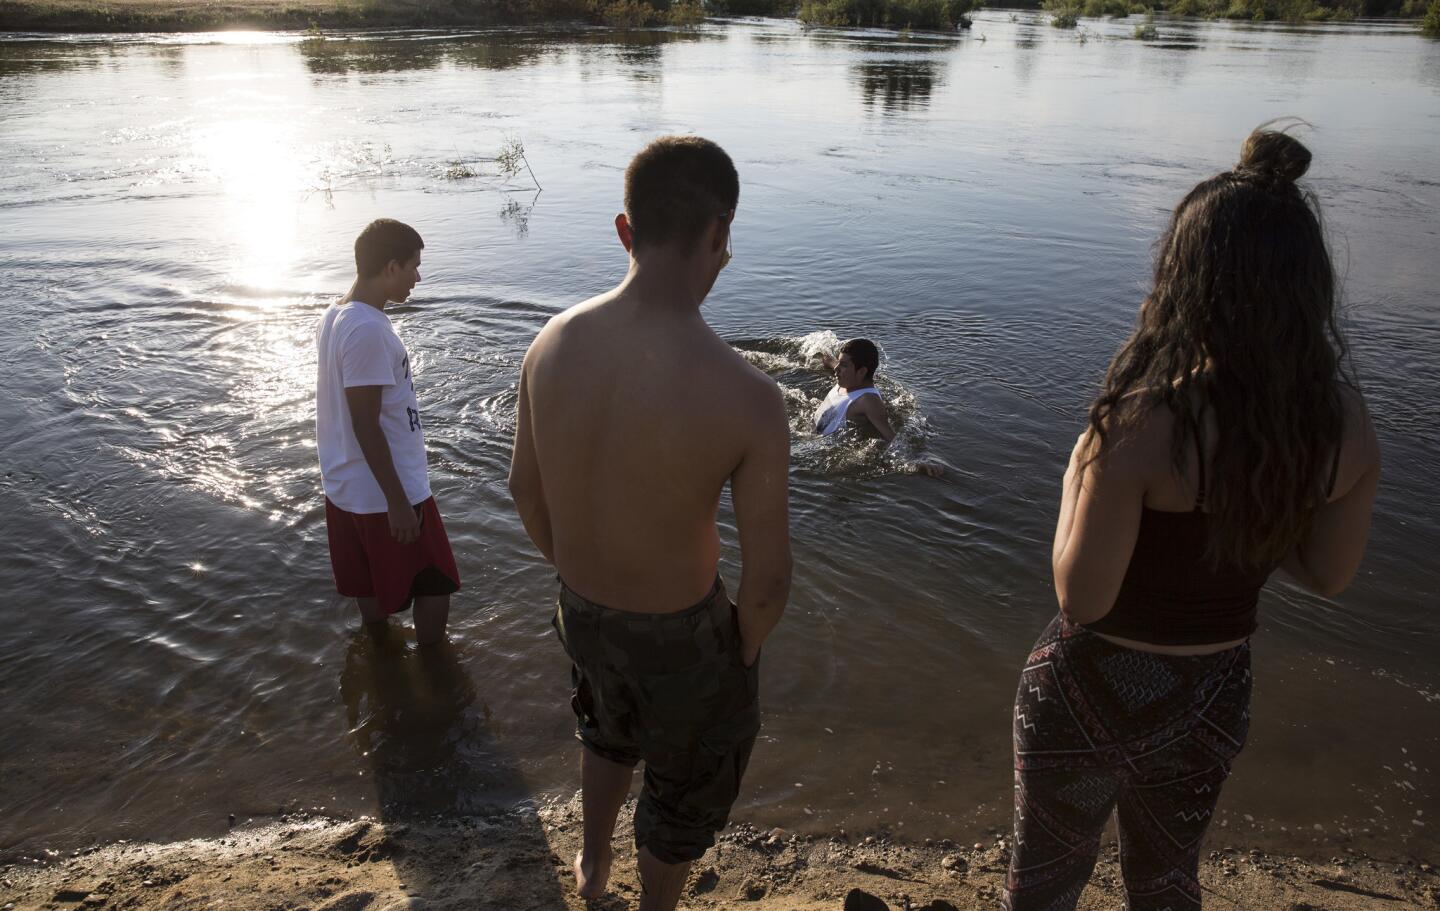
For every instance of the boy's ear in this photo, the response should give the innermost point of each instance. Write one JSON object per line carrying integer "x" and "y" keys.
{"x": 720, "y": 234}
{"x": 624, "y": 232}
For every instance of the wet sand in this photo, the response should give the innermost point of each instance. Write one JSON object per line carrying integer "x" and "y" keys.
{"x": 520, "y": 859}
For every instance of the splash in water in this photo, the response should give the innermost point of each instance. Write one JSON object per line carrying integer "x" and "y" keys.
{"x": 796, "y": 364}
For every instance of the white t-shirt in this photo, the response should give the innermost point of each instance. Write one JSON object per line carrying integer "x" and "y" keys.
{"x": 357, "y": 346}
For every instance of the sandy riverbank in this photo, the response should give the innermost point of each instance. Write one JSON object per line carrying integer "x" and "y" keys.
{"x": 520, "y": 860}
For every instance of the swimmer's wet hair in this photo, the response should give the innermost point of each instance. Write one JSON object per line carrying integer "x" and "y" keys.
{"x": 863, "y": 353}
{"x": 675, "y": 187}
{"x": 385, "y": 240}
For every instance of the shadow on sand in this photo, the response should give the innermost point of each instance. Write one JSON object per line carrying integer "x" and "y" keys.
{"x": 417, "y": 717}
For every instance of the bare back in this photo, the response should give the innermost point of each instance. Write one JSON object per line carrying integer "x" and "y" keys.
{"x": 638, "y": 416}
{"x": 1100, "y": 513}
{"x": 1168, "y": 491}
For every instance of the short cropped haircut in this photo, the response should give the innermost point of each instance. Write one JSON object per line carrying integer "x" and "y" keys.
{"x": 382, "y": 241}
{"x": 863, "y": 353}
{"x": 673, "y": 189}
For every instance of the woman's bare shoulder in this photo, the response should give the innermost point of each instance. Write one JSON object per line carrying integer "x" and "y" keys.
{"x": 1357, "y": 412}
{"x": 1359, "y": 445}
{"x": 1138, "y": 428}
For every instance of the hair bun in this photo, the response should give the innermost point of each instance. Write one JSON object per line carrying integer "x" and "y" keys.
{"x": 1273, "y": 154}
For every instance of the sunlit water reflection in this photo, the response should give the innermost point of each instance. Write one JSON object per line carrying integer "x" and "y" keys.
{"x": 176, "y": 213}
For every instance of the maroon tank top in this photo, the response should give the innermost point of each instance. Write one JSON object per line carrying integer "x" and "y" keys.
{"x": 1173, "y": 595}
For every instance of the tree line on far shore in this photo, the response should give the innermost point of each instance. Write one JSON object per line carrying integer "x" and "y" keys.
{"x": 944, "y": 15}
{"x": 947, "y": 15}
{"x": 1066, "y": 13}
{"x": 937, "y": 15}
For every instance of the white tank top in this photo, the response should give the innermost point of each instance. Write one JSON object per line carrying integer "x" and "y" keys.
{"x": 830, "y": 416}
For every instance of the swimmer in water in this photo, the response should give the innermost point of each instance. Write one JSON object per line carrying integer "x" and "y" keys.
{"x": 854, "y": 400}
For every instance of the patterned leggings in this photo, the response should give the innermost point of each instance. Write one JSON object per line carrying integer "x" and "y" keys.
{"x": 1100, "y": 728}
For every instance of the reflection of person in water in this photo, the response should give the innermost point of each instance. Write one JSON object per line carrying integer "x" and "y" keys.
{"x": 855, "y": 402}
{"x": 410, "y": 712}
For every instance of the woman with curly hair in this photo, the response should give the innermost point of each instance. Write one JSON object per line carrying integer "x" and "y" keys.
{"x": 1227, "y": 442}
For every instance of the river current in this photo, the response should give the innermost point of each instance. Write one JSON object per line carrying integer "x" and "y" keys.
{"x": 177, "y": 211}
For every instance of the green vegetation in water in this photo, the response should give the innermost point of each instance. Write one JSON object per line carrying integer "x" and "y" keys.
{"x": 1146, "y": 31}
{"x": 509, "y": 162}
{"x": 1063, "y": 13}
{"x": 1431, "y": 23}
{"x": 937, "y": 15}
{"x": 512, "y": 158}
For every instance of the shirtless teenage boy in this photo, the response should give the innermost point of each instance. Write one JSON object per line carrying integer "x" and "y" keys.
{"x": 633, "y": 415}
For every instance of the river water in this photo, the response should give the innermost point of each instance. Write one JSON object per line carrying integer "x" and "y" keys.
{"x": 176, "y": 212}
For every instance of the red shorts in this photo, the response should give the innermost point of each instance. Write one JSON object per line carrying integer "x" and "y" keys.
{"x": 369, "y": 562}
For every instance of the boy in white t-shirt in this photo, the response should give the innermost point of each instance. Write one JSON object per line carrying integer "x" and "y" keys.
{"x": 388, "y": 546}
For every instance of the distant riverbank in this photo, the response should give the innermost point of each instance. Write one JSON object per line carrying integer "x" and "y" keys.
{"x": 200, "y": 15}
{"x": 130, "y": 16}
{"x": 212, "y": 15}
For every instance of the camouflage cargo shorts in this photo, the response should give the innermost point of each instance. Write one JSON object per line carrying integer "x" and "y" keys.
{"x": 671, "y": 689}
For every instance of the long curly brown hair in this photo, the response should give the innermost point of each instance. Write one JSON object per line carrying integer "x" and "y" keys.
{"x": 1241, "y": 320}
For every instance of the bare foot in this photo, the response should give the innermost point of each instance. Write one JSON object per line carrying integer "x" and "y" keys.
{"x": 591, "y": 876}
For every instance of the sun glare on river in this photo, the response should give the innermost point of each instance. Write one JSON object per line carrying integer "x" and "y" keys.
{"x": 261, "y": 188}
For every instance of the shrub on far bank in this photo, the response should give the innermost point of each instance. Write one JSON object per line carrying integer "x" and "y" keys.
{"x": 686, "y": 12}
{"x": 1192, "y": 8}
{"x": 937, "y": 15}
{"x": 946, "y": 14}
{"x": 780, "y": 9}
{"x": 1272, "y": 10}
{"x": 1063, "y": 13}
{"x": 638, "y": 13}
{"x": 1115, "y": 9}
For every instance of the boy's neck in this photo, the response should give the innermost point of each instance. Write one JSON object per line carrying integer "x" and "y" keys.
{"x": 671, "y": 282}
{"x": 368, "y": 293}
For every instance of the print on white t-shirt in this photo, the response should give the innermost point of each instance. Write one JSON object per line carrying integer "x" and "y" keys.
{"x": 357, "y": 346}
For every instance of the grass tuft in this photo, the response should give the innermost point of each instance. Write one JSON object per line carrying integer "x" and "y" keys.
{"x": 1063, "y": 13}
